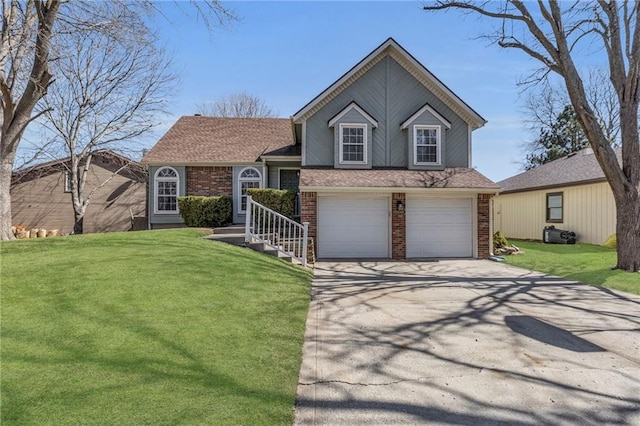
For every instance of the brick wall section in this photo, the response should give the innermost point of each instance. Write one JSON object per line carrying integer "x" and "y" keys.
{"x": 398, "y": 227}
{"x": 484, "y": 236}
{"x": 309, "y": 213}
{"x": 210, "y": 181}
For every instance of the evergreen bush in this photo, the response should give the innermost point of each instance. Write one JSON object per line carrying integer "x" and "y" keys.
{"x": 279, "y": 200}
{"x": 211, "y": 212}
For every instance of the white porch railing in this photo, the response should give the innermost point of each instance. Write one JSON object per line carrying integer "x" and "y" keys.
{"x": 269, "y": 227}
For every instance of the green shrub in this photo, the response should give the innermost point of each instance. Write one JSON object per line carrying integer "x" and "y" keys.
{"x": 198, "y": 211}
{"x": 279, "y": 200}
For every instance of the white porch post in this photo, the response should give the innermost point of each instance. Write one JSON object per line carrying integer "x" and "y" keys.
{"x": 247, "y": 221}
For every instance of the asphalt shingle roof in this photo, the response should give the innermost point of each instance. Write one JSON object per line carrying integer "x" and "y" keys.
{"x": 395, "y": 178}
{"x": 196, "y": 139}
{"x": 581, "y": 167}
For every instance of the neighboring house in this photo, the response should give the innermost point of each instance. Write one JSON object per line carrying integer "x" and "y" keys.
{"x": 41, "y": 195}
{"x": 569, "y": 193}
{"x": 381, "y": 158}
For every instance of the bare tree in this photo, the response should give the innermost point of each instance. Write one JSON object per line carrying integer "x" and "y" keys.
{"x": 26, "y": 40}
{"x": 552, "y": 32}
{"x": 111, "y": 86}
{"x": 548, "y": 100}
{"x": 27, "y": 28}
{"x": 241, "y": 105}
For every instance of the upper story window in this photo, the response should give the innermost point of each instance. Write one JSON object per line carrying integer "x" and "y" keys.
{"x": 555, "y": 207}
{"x": 249, "y": 178}
{"x": 353, "y": 143}
{"x": 67, "y": 181}
{"x": 426, "y": 145}
{"x": 166, "y": 185}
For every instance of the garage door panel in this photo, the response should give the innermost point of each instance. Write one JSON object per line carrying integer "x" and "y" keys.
{"x": 353, "y": 227}
{"x": 439, "y": 227}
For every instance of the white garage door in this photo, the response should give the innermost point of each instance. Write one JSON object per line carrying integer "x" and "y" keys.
{"x": 439, "y": 227}
{"x": 353, "y": 227}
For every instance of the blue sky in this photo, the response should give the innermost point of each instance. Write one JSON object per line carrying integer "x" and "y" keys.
{"x": 288, "y": 52}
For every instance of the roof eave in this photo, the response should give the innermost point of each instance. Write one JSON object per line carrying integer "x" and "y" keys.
{"x": 410, "y": 189}
{"x": 553, "y": 186}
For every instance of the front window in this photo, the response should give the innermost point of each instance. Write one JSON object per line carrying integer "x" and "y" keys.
{"x": 426, "y": 145}
{"x": 249, "y": 178}
{"x": 353, "y": 141}
{"x": 67, "y": 180}
{"x": 554, "y": 207}
{"x": 166, "y": 190}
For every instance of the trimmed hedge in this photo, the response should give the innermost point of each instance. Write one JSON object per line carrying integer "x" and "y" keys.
{"x": 279, "y": 200}
{"x": 198, "y": 211}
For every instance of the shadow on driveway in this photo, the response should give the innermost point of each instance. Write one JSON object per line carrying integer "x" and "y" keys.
{"x": 466, "y": 342}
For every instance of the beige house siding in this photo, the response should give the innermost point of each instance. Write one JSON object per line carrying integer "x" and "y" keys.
{"x": 42, "y": 202}
{"x": 588, "y": 210}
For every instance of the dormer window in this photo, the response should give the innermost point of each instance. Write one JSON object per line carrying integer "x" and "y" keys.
{"x": 353, "y": 128}
{"x": 426, "y": 134}
{"x": 353, "y": 143}
{"x": 426, "y": 145}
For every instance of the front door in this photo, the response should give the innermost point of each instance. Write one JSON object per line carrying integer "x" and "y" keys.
{"x": 289, "y": 179}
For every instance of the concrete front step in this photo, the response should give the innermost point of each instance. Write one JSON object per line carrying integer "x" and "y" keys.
{"x": 230, "y": 229}
{"x": 235, "y": 239}
{"x": 263, "y": 248}
{"x": 235, "y": 235}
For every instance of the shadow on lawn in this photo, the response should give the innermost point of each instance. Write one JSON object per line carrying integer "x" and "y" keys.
{"x": 353, "y": 318}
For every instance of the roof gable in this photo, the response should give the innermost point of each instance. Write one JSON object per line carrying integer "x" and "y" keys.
{"x": 430, "y": 110}
{"x": 391, "y": 48}
{"x": 356, "y": 107}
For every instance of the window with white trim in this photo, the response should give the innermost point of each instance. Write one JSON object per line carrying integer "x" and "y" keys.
{"x": 426, "y": 145}
{"x": 249, "y": 178}
{"x": 166, "y": 185}
{"x": 67, "y": 180}
{"x": 353, "y": 143}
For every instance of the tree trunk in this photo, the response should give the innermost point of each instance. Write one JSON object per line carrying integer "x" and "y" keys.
{"x": 78, "y": 226}
{"x": 628, "y": 231}
{"x": 16, "y": 113}
{"x": 6, "y": 169}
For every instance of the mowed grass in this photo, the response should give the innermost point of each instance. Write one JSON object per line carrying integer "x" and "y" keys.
{"x": 586, "y": 263}
{"x": 155, "y": 327}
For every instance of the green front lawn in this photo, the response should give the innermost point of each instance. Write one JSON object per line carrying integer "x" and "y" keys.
{"x": 586, "y": 263}
{"x": 157, "y": 327}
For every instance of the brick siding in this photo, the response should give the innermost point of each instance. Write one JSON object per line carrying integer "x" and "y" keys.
{"x": 210, "y": 181}
{"x": 309, "y": 213}
{"x": 484, "y": 237}
{"x": 398, "y": 227}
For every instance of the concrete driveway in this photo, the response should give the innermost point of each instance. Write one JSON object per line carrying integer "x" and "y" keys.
{"x": 466, "y": 342}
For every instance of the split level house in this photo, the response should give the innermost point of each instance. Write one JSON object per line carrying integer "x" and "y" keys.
{"x": 381, "y": 160}
{"x": 41, "y": 194}
{"x": 569, "y": 193}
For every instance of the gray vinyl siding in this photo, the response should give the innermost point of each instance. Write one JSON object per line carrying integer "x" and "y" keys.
{"x": 274, "y": 171}
{"x": 390, "y": 95}
{"x": 165, "y": 219}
